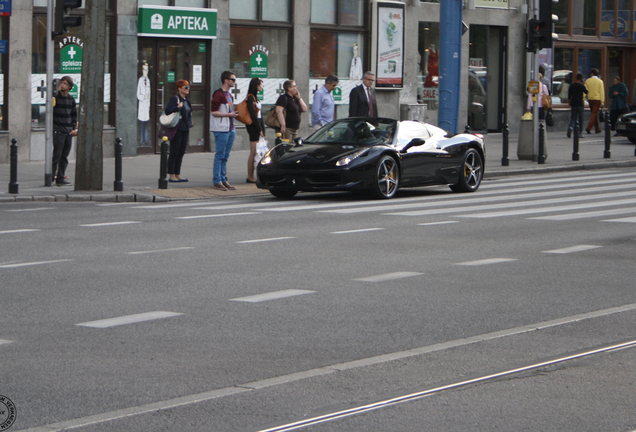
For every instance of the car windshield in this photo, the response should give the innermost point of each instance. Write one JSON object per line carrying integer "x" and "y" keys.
{"x": 362, "y": 132}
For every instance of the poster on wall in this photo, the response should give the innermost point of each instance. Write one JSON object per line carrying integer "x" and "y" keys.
{"x": 390, "y": 45}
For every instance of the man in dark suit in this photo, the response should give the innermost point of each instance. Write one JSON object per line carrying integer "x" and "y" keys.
{"x": 362, "y": 101}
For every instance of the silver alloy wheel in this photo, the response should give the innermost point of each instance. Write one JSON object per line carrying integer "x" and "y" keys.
{"x": 387, "y": 177}
{"x": 472, "y": 171}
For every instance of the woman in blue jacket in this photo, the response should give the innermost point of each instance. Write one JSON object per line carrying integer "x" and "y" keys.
{"x": 618, "y": 93}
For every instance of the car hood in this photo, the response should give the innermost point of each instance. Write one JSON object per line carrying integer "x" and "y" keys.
{"x": 314, "y": 154}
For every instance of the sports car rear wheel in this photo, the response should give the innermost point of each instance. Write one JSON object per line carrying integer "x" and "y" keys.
{"x": 283, "y": 192}
{"x": 387, "y": 178}
{"x": 472, "y": 171}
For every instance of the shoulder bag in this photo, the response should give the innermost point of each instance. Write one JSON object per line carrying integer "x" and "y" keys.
{"x": 271, "y": 119}
{"x": 243, "y": 112}
{"x": 170, "y": 120}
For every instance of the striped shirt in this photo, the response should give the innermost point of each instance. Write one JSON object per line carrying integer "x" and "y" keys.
{"x": 64, "y": 114}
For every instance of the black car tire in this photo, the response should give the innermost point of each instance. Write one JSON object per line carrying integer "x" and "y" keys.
{"x": 283, "y": 192}
{"x": 471, "y": 172}
{"x": 387, "y": 178}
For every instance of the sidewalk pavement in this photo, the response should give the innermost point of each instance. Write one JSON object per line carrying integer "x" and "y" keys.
{"x": 141, "y": 173}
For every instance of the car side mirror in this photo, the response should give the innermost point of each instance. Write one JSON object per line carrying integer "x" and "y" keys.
{"x": 298, "y": 141}
{"x": 413, "y": 143}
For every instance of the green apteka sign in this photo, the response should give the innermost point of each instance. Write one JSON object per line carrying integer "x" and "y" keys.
{"x": 162, "y": 21}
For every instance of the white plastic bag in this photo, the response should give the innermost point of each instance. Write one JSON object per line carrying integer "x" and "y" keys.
{"x": 261, "y": 150}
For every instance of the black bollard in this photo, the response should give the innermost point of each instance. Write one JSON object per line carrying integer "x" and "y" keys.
{"x": 118, "y": 184}
{"x": 13, "y": 183}
{"x": 575, "y": 150}
{"x": 468, "y": 130}
{"x": 505, "y": 159}
{"x": 608, "y": 136}
{"x": 541, "y": 158}
{"x": 163, "y": 166}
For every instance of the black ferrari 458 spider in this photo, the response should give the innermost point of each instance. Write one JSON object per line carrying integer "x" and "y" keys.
{"x": 374, "y": 155}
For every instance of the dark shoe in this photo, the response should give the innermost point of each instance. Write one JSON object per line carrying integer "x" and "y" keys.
{"x": 182, "y": 180}
{"x": 63, "y": 183}
{"x": 249, "y": 181}
{"x": 228, "y": 186}
{"x": 173, "y": 181}
{"x": 569, "y": 133}
{"x": 219, "y": 186}
{"x": 599, "y": 131}
{"x": 588, "y": 131}
{"x": 615, "y": 134}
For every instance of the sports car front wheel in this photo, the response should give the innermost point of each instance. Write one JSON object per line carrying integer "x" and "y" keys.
{"x": 387, "y": 178}
{"x": 283, "y": 192}
{"x": 471, "y": 172}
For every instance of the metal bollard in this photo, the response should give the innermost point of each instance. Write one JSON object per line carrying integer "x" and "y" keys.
{"x": 163, "y": 166}
{"x": 13, "y": 182}
{"x": 118, "y": 184}
{"x": 505, "y": 159}
{"x": 468, "y": 130}
{"x": 608, "y": 136}
{"x": 575, "y": 150}
{"x": 541, "y": 158}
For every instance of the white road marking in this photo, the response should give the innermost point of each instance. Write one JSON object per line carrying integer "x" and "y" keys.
{"x": 438, "y": 223}
{"x": 511, "y": 195}
{"x": 325, "y": 370}
{"x": 18, "y": 231}
{"x": 272, "y": 296}
{"x": 110, "y": 224}
{"x": 572, "y": 249}
{"x": 486, "y": 261}
{"x": 468, "y": 210}
{"x": 548, "y": 209}
{"x": 628, "y": 220}
{"x": 265, "y": 240}
{"x": 160, "y": 250}
{"x": 584, "y": 215}
{"x": 30, "y": 209}
{"x": 34, "y": 263}
{"x": 357, "y": 231}
{"x": 128, "y": 319}
{"x": 216, "y": 215}
{"x": 388, "y": 276}
{"x": 4, "y": 341}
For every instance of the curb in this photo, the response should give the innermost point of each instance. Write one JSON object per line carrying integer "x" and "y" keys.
{"x": 111, "y": 197}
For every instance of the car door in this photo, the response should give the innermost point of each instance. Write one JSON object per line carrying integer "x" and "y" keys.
{"x": 420, "y": 163}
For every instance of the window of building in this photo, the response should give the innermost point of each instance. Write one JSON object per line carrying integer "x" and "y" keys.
{"x": 4, "y": 71}
{"x": 66, "y": 49}
{"x": 260, "y": 10}
{"x": 606, "y": 19}
{"x": 338, "y": 46}
{"x": 273, "y": 43}
{"x": 428, "y": 59}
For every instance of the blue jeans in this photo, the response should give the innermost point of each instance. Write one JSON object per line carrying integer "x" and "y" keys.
{"x": 576, "y": 114}
{"x": 224, "y": 142}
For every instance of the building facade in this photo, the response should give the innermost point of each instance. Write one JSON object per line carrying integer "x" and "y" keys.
{"x": 304, "y": 40}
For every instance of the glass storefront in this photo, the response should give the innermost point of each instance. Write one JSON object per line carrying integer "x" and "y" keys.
{"x": 428, "y": 71}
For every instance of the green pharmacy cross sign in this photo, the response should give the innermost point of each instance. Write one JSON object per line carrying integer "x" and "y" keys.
{"x": 71, "y": 59}
{"x": 259, "y": 62}
{"x": 162, "y": 21}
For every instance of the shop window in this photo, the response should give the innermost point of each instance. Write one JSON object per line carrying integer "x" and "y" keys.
{"x": 274, "y": 43}
{"x": 589, "y": 59}
{"x": 260, "y": 10}
{"x": 428, "y": 59}
{"x": 562, "y": 75}
{"x": 338, "y": 46}
{"x": 560, "y": 9}
{"x": 67, "y": 48}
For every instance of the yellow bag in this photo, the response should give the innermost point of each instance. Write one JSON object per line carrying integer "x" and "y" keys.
{"x": 527, "y": 116}
{"x": 547, "y": 101}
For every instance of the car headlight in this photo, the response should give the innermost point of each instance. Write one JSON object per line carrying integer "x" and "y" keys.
{"x": 346, "y": 160}
{"x": 267, "y": 159}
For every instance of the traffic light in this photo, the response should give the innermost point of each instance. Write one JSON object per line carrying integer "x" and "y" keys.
{"x": 63, "y": 22}
{"x": 534, "y": 35}
{"x": 547, "y": 24}
{"x": 54, "y": 86}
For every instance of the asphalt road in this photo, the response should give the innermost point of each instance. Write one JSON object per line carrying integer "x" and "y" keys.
{"x": 248, "y": 314}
